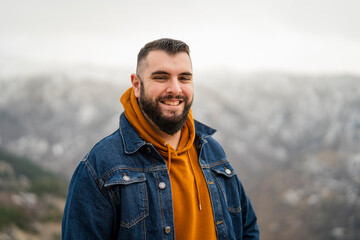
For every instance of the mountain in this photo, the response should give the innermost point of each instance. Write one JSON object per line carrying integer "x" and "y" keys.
{"x": 295, "y": 143}
{"x": 293, "y": 139}
{"x": 54, "y": 120}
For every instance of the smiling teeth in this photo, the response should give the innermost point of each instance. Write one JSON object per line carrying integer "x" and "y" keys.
{"x": 172, "y": 103}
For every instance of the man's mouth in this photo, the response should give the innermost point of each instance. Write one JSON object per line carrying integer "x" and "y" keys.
{"x": 172, "y": 102}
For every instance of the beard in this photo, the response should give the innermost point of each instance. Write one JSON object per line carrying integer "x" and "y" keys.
{"x": 167, "y": 124}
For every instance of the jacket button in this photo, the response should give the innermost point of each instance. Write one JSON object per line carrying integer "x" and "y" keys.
{"x": 126, "y": 178}
{"x": 162, "y": 185}
{"x": 228, "y": 171}
{"x": 167, "y": 229}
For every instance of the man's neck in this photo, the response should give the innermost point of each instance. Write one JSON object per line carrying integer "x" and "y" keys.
{"x": 173, "y": 140}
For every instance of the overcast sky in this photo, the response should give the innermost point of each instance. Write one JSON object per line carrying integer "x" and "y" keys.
{"x": 278, "y": 35}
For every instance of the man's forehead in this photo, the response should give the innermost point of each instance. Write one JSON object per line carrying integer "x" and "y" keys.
{"x": 160, "y": 60}
{"x": 157, "y": 59}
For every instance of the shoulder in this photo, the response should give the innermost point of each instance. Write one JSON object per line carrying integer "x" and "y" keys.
{"x": 108, "y": 145}
{"x": 105, "y": 154}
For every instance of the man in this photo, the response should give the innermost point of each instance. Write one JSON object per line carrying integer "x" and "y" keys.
{"x": 161, "y": 175}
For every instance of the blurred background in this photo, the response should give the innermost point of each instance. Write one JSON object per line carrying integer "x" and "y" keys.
{"x": 280, "y": 80}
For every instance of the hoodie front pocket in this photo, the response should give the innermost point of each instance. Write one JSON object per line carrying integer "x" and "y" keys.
{"x": 130, "y": 193}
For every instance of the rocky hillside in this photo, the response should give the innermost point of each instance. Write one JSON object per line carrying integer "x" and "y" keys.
{"x": 31, "y": 200}
{"x": 294, "y": 139}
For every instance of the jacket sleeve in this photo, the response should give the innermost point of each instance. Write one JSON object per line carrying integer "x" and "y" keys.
{"x": 250, "y": 226}
{"x": 88, "y": 213}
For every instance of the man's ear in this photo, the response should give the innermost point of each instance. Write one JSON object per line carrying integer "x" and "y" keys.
{"x": 135, "y": 82}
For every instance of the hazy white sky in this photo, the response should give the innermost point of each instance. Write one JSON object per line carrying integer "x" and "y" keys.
{"x": 247, "y": 35}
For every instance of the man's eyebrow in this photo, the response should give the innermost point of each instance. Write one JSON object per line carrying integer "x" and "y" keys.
{"x": 166, "y": 73}
{"x": 160, "y": 72}
{"x": 186, "y": 73}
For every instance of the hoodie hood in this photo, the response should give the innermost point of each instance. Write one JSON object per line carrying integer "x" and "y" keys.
{"x": 136, "y": 118}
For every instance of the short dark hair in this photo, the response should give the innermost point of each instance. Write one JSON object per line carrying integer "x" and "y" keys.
{"x": 168, "y": 45}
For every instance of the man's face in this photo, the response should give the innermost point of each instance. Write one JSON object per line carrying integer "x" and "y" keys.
{"x": 166, "y": 89}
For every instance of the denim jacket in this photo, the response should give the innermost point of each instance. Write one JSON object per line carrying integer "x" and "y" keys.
{"x": 121, "y": 190}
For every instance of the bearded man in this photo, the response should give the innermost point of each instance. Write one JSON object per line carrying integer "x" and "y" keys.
{"x": 161, "y": 175}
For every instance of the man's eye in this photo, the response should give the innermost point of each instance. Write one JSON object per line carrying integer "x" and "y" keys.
{"x": 160, "y": 78}
{"x": 184, "y": 78}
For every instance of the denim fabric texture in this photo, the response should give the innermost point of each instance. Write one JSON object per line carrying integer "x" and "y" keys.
{"x": 121, "y": 190}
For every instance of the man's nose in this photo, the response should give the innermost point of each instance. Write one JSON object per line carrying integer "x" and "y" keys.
{"x": 174, "y": 86}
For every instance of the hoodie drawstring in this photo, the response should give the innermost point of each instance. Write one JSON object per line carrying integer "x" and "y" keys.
{"x": 196, "y": 182}
{"x": 169, "y": 156}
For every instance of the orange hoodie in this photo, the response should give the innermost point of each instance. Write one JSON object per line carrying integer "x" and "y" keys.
{"x": 193, "y": 214}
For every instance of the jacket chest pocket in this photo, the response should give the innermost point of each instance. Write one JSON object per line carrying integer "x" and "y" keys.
{"x": 228, "y": 183}
{"x": 129, "y": 192}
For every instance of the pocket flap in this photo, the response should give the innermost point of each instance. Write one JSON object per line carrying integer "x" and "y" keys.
{"x": 224, "y": 169}
{"x": 124, "y": 177}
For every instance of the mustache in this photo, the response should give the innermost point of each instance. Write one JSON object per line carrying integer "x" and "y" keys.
{"x": 168, "y": 97}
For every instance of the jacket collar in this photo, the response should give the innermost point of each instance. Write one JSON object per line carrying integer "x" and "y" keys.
{"x": 132, "y": 141}
{"x": 202, "y": 130}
